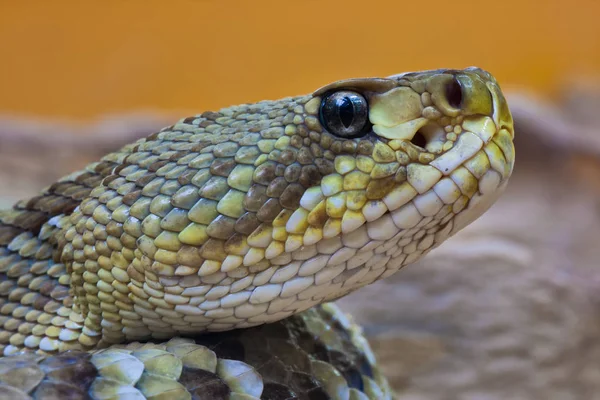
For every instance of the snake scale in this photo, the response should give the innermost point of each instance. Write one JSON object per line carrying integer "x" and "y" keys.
{"x": 128, "y": 279}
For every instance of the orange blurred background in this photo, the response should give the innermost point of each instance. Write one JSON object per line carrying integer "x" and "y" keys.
{"x": 85, "y": 59}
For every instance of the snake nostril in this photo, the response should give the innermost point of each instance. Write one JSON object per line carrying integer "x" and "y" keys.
{"x": 454, "y": 93}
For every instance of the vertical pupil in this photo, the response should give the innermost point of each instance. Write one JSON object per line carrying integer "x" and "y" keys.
{"x": 346, "y": 111}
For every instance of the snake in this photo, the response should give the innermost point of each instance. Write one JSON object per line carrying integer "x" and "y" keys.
{"x": 203, "y": 261}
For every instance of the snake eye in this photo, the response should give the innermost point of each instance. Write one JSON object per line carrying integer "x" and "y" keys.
{"x": 345, "y": 114}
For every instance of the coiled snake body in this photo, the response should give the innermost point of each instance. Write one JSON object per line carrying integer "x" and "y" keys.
{"x": 252, "y": 217}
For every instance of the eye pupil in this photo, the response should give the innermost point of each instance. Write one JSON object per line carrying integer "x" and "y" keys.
{"x": 345, "y": 114}
{"x": 346, "y": 111}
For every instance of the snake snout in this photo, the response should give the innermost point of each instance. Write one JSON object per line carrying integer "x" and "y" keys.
{"x": 481, "y": 94}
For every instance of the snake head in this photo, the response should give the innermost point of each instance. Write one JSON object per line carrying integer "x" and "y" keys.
{"x": 377, "y": 172}
{"x": 418, "y": 157}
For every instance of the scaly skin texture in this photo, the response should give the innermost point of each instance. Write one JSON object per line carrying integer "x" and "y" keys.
{"x": 252, "y": 214}
{"x": 317, "y": 354}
